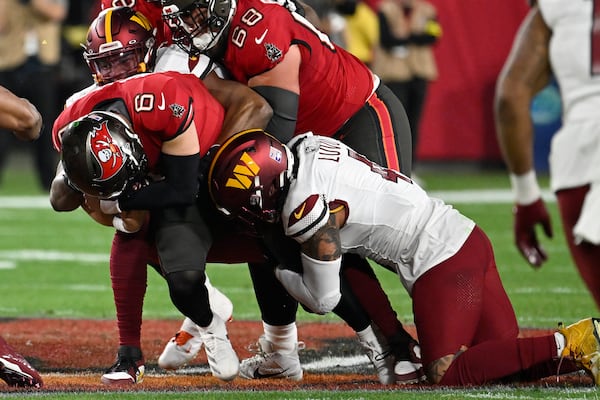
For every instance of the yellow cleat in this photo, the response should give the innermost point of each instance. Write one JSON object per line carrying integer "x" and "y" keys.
{"x": 583, "y": 345}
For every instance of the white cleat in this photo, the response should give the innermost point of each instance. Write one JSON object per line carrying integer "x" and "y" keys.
{"x": 268, "y": 363}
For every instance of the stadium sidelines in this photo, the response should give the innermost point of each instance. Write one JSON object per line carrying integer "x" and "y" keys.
{"x": 449, "y": 196}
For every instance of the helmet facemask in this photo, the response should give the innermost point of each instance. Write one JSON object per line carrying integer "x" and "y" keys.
{"x": 120, "y": 43}
{"x": 199, "y": 26}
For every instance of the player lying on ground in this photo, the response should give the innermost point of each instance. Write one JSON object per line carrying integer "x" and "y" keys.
{"x": 332, "y": 200}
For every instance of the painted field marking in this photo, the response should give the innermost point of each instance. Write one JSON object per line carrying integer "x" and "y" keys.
{"x": 450, "y": 196}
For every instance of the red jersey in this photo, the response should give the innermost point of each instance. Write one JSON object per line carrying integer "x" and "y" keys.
{"x": 152, "y": 11}
{"x": 160, "y": 107}
{"x": 334, "y": 84}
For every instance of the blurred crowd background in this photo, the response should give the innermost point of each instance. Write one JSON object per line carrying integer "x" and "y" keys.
{"x": 440, "y": 57}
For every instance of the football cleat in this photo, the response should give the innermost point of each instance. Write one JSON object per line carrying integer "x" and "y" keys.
{"x": 583, "y": 345}
{"x": 410, "y": 371}
{"x": 128, "y": 369}
{"x": 15, "y": 370}
{"x": 222, "y": 359}
{"x": 219, "y": 303}
{"x": 378, "y": 351}
{"x": 185, "y": 345}
{"x": 181, "y": 348}
{"x": 268, "y": 363}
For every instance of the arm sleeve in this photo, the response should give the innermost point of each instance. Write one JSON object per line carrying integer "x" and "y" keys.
{"x": 285, "y": 111}
{"x": 318, "y": 287}
{"x": 178, "y": 188}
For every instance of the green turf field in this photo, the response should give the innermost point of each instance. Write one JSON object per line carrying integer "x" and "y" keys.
{"x": 56, "y": 265}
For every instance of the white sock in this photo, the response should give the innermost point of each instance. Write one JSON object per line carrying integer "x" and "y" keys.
{"x": 560, "y": 342}
{"x": 367, "y": 335}
{"x": 284, "y": 338}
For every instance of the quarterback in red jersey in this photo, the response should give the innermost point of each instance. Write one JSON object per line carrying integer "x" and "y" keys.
{"x": 311, "y": 84}
{"x": 160, "y": 123}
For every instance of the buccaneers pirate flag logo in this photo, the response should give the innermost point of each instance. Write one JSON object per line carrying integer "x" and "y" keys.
{"x": 107, "y": 153}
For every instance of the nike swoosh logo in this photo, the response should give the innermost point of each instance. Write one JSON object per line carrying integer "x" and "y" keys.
{"x": 161, "y": 106}
{"x": 259, "y": 40}
{"x": 298, "y": 214}
{"x": 258, "y": 375}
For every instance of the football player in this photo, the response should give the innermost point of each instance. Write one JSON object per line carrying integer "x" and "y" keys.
{"x": 333, "y": 200}
{"x": 113, "y": 53}
{"x": 311, "y": 84}
{"x": 560, "y": 42}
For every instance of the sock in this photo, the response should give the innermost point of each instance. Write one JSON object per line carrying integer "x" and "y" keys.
{"x": 128, "y": 274}
{"x": 560, "y": 343}
{"x": 284, "y": 338}
{"x": 367, "y": 335}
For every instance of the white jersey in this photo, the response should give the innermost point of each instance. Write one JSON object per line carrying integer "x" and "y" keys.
{"x": 575, "y": 59}
{"x": 390, "y": 219}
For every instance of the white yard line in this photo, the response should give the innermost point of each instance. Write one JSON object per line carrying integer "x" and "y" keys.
{"x": 449, "y": 196}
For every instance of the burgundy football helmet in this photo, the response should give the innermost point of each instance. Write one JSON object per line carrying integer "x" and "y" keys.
{"x": 198, "y": 25}
{"x": 120, "y": 43}
{"x": 101, "y": 155}
{"x": 249, "y": 175}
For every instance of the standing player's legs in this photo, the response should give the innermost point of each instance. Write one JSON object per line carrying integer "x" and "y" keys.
{"x": 585, "y": 255}
{"x": 128, "y": 274}
{"x": 183, "y": 240}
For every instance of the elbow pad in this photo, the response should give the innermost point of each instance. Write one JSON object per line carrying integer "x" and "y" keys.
{"x": 285, "y": 111}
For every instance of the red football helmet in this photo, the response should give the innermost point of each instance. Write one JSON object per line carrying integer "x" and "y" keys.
{"x": 120, "y": 43}
{"x": 101, "y": 155}
{"x": 249, "y": 175}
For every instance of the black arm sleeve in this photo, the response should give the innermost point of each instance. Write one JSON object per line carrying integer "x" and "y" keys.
{"x": 178, "y": 188}
{"x": 285, "y": 111}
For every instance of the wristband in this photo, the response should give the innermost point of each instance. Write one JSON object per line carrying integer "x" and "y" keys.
{"x": 110, "y": 207}
{"x": 525, "y": 188}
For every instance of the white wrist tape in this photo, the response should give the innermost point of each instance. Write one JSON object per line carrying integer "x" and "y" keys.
{"x": 110, "y": 207}
{"x": 525, "y": 188}
{"x": 119, "y": 225}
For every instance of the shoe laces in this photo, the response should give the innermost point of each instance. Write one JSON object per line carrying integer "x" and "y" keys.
{"x": 124, "y": 364}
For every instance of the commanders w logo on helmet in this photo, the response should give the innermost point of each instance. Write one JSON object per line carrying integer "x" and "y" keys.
{"x": 247, "y": 175}
{"x": 244, "y": 172}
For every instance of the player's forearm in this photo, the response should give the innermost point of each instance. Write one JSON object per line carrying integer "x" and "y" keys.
{"x": 19, "y": 116}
